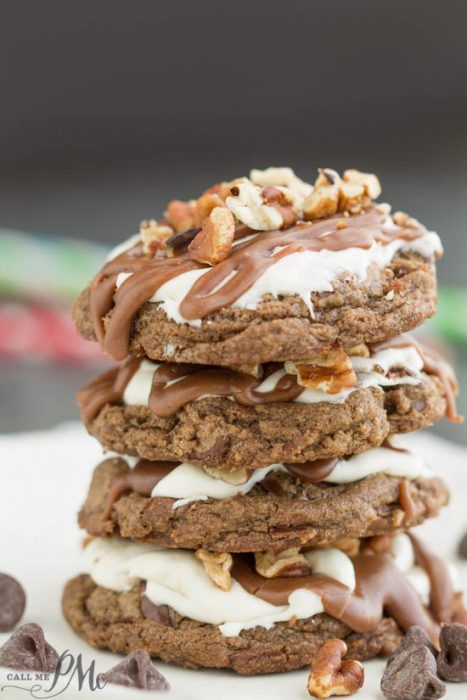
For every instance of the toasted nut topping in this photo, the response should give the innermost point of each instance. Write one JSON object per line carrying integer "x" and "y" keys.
{"x": 369, "y": 182}
{"x": 383, "y": 208}
{"x": 255, "y": 371}
{"x": 327, "y": 177}
{"x": 361, "y": 350}
{"x": 331, "y": 194}
{"x": 330, "y": 675}
{"x": 230, "y": 476}
{"x": 282, "y": 177}
{"x": 330, "y": 373}
{"x": 247, "y": 204}
{"x": 181, "y": 215}
{"x": 154, "y": 235}
{"x": 214, "y": 242}
{"x": 288, "y": 563}
{"x": 217, "y": 566}
{"x": 322, "y": 202}
{"x": 204, "y": 206}
{"x": 400, "y": 218}
{"x": 352, "y": 198}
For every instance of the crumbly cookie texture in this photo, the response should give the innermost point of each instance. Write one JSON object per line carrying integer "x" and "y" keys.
{"x": 390, "y": 301}
{"x": 280, "y": 513}
{"x": 217, "y": 432}
{"x": 114, "y": 621}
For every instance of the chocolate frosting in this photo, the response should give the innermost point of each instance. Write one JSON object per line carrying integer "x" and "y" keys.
{"x": 224, "y": 283}
{"x": 141, "y": 479}
{"x": 380, "y": 589}
{"x": 433, "y": 363}
{"x": 167, "y": 396}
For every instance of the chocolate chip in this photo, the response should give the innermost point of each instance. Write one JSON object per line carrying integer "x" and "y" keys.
{"x": 27, "y": 650}
{"x": 12, "y": 602}
{"x": 136, "y": 671}
{"x": 415, "y": 636}
{"x": 411, "y": 675}
{"x": 462, "y": 549}
{"x": 452, "y": 658}
{"x": 182, "y": 238}
{"x": 158, "y": 613}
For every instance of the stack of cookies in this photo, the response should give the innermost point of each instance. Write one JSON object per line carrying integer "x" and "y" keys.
{"x": 255, "y": 501}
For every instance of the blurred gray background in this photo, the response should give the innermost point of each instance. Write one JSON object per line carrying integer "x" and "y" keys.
{"x": 111, "y": 108}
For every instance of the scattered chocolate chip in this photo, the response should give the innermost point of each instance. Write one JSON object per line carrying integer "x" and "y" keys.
{"x": 27, "y": 650}
{"x": 12, "y": 602}
{"x": 182, "y": 238}
{"x": 462, "y": 549}
{"x": 411, "y": 675}
{"x": 158, "y": 613}
{"x": 452, "y": 658}
{"x": 136, "y": 671}
{"x": 415, "y": 636}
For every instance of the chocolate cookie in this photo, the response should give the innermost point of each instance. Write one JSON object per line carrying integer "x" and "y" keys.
{"x": 218, "y": 432}
{"x": 388, "y": 302}
{"x": 114, "y": 621}
{"x": 282, "y": 510}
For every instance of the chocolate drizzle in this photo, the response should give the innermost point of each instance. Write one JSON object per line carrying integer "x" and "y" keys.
{"x": 381, "y": 588}
{"x": 141, "y": 479}
{"x": 224, "y": 283}
{"x": 312, "y": 472}
{"x": 433, "y": 363}
{"x": 175, "y": 385}
{"x": 108, "y": 388}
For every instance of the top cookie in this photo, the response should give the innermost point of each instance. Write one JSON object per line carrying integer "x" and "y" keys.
{"x": 264, "y": 269}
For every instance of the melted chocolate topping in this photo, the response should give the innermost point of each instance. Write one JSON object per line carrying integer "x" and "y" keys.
{"x": 433, "y": 363}
{"x": 381, "y": 588}
{"x": 312, "y": 472}
{"x": 175, "y": 385}
{"x": 224, "y": 283}
{"x": 141, "y": 479}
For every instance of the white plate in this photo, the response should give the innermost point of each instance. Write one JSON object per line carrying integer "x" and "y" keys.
{"x": 44, "y": 478}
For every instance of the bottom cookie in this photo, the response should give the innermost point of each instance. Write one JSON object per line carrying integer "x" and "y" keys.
{"x": 262, "y": 613}
{"x": 114, "y": 621}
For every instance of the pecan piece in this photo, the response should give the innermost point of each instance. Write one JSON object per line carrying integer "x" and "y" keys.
{"x": 330, "y": 675}
{"x": 289, "y": 562}
{"x": 217, "y": 566}
{"x": 330, "y": 373}
{"x": 214, "y": 242}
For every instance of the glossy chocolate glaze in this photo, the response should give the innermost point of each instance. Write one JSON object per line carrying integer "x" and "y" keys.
{"x": 433, "y": 363}
{"x": 175, "y": 385}
{"x": 381, "y": 589}
{"x": 224, "y": 283}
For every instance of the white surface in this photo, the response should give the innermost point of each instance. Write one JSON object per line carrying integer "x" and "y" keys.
{"x": 44, "y": 480}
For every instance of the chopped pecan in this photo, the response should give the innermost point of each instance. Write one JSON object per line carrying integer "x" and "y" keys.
{"x": 332, "y": 194}
{"x": 181, "y": 215}
{"x": 330, "y": 675}
{"x": 214, "y": 242}
{"x": 400, "y": 218}
{"x": 322, "y": 202}
{"x": 246, "y": 202}
{"x": 350, "y": 546}
{"x": 154, "y": 235}
{"x": 204, "y": 206}
{"x": 217, "y": 566}
{"x": 290, "y": 562}
{"x": 330, "y": 373}
{"x": 368, "y": 181}
{"x": 234, "y": 476}
{"x": 282, "y": 177}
